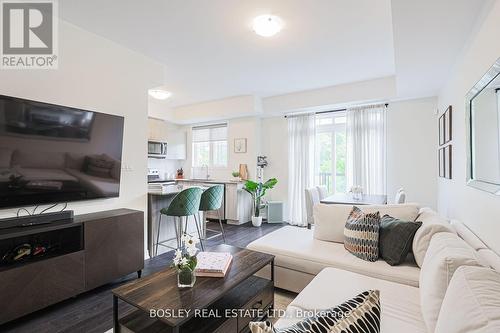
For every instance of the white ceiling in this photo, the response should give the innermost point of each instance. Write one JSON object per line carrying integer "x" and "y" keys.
{"x": 210, "y": 52}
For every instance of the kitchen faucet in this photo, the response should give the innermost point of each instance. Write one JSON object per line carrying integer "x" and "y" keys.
{"x": 207, "y": 176}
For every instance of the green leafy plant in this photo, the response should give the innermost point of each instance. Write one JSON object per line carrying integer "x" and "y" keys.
{"x": 235, "y": 174}
{"x": 258, "y": 191}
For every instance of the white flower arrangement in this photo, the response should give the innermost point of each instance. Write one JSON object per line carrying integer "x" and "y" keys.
{"x": 185, "y": 256}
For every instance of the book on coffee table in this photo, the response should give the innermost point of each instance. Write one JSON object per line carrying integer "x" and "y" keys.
{"x": 213, "y": 264}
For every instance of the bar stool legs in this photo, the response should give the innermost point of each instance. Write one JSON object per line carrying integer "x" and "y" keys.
{"x": 158, "y": 235}
{"x": 199, "y": 234}
{"x": 221, "y": 227}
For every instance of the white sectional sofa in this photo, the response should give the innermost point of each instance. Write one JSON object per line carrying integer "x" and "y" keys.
{"x": 326, "y": 275}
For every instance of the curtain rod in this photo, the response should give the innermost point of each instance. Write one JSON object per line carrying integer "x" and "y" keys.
{"x": 329, "y": 111}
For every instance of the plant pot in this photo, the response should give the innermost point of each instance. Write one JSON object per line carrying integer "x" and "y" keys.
{"x": 185, "y": 278}
{"x": 256, "y": 221}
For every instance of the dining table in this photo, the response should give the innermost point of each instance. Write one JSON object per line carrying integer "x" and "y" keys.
{"x": 348, "y": 199}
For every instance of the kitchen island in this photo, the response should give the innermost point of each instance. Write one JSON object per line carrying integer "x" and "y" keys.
{"x": 236, "y": 209}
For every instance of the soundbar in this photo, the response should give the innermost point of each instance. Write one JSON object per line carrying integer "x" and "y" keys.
{"x": 37, "y": 219}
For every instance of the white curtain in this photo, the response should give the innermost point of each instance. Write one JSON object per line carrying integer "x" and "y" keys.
{"x": 301, "y": 134}
{"x": 366, "y": 148}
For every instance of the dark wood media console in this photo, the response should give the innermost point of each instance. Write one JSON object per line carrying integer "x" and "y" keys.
{"x": 87, "y": 252}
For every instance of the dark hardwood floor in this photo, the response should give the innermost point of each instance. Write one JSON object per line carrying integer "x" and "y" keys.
{"x": 92, "y": 311}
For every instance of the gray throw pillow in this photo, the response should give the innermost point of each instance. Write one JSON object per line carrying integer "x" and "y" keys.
{"x": 395, "y": 239}
{"x": 361, "y": 233}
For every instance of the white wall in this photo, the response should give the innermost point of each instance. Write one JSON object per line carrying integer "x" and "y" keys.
{"x": 412, "y": 150}
{"x": 97, "y": 74}
{"x": 479, "y": 210}
{"x": 275, "y": 147}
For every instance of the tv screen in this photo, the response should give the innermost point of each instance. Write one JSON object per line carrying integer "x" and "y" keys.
{"x": 56, "y": 154}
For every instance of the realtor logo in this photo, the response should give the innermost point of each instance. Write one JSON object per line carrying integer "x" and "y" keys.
{"x": 29, "y": 34}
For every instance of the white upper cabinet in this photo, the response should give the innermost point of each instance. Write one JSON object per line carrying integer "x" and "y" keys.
{"x": 176, "y": 144}
{"x": 159, "y": 130}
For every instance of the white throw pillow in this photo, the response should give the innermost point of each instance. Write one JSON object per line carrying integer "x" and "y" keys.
{"x": 472, "y": 302}
{"x": 329, "y": 220}
{"x": 446, "y": 253}
{"x": 432, "y": 223}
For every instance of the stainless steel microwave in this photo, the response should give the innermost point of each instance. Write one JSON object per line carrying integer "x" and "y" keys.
{"x": 157, "y": 149}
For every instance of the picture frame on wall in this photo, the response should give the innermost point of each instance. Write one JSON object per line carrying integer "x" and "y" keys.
{"x": 240, "y": 145}
{"x": 448, "y": 162}
{"x": 441, "y": 130}
{"x": 441, "y": 164}
{"x": 447, "y": 125}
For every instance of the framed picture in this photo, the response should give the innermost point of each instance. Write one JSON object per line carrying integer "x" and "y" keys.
{"x": 447, "y": 125}
{"x": 441, "y": 165}
{"x": 441, "y": 130}
{"x": 448, "y": 162}
{"x": 240, "y": 145}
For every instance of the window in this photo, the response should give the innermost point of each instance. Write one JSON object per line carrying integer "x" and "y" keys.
{"x": 331, "y": 150}
{"x": 210, "y": 146}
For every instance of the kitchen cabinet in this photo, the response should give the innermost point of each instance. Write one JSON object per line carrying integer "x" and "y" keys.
{"x": 157, "y": 130}
{"x": 238, "y": 204}
{"x": 176, "y": 144}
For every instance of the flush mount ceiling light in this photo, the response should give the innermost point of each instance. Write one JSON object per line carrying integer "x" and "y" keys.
{"x": 267, "y": 25}
{"x": 159, "y": 94}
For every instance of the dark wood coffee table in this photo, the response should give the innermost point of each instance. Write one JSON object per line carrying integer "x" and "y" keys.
{"x": 239, "y": 289}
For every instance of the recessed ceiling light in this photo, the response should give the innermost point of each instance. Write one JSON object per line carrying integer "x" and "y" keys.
{"x": 267, "y": 25}
{"x": 159, "y": 94}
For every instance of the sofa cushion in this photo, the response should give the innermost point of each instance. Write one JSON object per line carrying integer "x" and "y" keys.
{"x": 329, "y": 220}
{"x": 38, "y": 159}
{"x": 445, "y": 254}
{"x": 296, "y": 249}
{"x": 395, "y": 239}
{"x": 432, "y": 223}
{"x": 472, "y": 302}
{"x": 400, "y": 303}
{"x": 361, "y": 234}
{"x": 5, "y": 157}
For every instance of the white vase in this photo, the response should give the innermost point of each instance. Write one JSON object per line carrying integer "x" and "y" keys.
{"x": 256, "y": 221}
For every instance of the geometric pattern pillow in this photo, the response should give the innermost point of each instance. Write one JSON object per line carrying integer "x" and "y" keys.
{"x": 361, "y": 234}
{"x": 360, "y": 314}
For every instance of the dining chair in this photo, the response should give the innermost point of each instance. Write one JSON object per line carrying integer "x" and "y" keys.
{"x": 185, "y": 204}
{"x": 400, "y": 196}
{"x": 322, "y": 191}
{"x": 312, "y": 198}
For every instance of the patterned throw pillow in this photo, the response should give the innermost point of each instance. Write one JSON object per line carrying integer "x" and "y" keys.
{"x": 361, "y": 234}
{"x": 360, "y": 314}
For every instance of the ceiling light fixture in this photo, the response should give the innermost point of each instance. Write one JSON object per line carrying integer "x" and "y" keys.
{"x": 267, "y": 25}
{"x": 159, "y": 94}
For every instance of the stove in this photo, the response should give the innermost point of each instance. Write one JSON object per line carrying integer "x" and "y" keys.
{"x": 157, "y": 185}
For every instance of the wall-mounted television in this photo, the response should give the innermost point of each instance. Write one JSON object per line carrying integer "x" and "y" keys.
{"x": 56, "y": 154}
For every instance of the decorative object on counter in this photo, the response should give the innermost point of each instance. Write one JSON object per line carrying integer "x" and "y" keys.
{"x": 258, "y": 190}
{"x": 240, "y": 145}
{"x": 243, "y": 171}
{"x": 357, "y": 192}
{"x": 180, "y": 174}
{"x": 185, "y": 261}
{"x": 236, "y": 175}
{"x": 213, "y": 264}
{"x": 261, "y": 164}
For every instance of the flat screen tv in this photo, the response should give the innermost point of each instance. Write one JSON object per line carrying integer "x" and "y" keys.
{"x": 57, "y": 154}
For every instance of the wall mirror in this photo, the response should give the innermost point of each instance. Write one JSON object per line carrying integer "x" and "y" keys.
{"x": 483, "y": 132}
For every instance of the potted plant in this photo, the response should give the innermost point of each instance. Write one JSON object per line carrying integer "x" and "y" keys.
{"x": 185, "y": 261}
{"x": 236, "y": 175}
{"x": 258, "y": 191}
